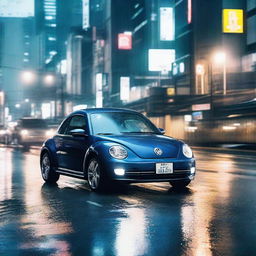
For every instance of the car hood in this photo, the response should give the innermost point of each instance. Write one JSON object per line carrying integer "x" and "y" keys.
{"x": 144, "y": 145}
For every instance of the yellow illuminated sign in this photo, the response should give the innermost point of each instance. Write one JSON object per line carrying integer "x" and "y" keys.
{"x": 233, "y": 21}
{"x": 170, "y": 91}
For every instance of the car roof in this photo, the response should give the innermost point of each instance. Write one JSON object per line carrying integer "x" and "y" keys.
{"x": 103, "y": 110}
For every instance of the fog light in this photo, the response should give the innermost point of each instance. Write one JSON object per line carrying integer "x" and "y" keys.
{"x": 119, "y": 172}
{"x": 192, "y": 170}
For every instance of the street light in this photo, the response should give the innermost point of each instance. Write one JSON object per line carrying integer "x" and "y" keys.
{"x": 28, "y": 77}
{"x": 220, "y": 58}
{"x": 49, "y": 79}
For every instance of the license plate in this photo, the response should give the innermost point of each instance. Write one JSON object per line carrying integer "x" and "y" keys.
{"x": 164, "y": 168}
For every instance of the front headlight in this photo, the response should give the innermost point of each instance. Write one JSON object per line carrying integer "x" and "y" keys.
{"x": 118, "y": 152}
{"x": 2, "y": 132}
{"x": 24, "y": 132}
{"x": 187, "y": 152}
{"x": 49, "y": 133}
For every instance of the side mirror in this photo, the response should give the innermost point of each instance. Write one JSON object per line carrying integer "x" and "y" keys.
{"x": 78, "y": 133}
{"x": 161, "y": 130}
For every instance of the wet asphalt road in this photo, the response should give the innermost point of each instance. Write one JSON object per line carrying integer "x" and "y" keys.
{"x": 216, "y": 215}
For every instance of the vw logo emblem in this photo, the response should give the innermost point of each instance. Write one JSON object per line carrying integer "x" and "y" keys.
{"x": 158, "y": 151}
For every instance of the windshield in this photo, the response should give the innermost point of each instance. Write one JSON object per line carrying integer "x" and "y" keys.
{"x": 121, "y": 123}
{"x": 33, "y": 123}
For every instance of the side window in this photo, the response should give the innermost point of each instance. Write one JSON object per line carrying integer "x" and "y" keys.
{"x": 64, "y": 126}
{"x": 76, "y": 122}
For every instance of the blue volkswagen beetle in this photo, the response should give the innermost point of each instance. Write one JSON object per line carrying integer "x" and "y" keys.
{"x": 108, "y": 144}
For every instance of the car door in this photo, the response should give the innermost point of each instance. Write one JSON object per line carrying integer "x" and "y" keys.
{"x": 74, "y": 148}
{"x": 59, "y": 140}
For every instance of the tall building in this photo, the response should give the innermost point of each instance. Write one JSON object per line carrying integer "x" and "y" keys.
{"x": 84, "y": 62}
{"x": 251, "y": 22}
{"x": 79, "y": 70}
{"x": 50, "y": 25}
{"x": 200, "y": 35}
{"x": 103, "y": 22}
{"x": 55, "y": 22}
{"x": 120, "y": 65}
{"x": 139, "y": 47}
{"x": 153, "y": 32}
{"x": 249, "y": 60}
{"x": 127, "y": 43}
{"x": 18, "y": 55}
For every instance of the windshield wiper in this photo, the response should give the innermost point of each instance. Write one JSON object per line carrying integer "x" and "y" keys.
{"x": 141, "y": 132}
{"x": 104, "y": 133}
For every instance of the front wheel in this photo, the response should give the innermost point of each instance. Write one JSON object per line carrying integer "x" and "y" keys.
{"x": 180, "y": 184}
{"x": 48, "y": 173}
{"x": 95, "y": 176}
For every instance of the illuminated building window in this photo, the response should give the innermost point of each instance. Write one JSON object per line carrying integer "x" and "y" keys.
{"x": 51, "y": 38}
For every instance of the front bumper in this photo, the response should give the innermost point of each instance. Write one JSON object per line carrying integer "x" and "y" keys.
{"x": 145, "y": 171}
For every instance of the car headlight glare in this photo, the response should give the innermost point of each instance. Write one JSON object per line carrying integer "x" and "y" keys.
{"x": 24, "y": 132}
{"x": 118, "y": 152}
{"x": 2, "y": 132}
{"x": 49, "y": 133}
{"x": 187, "y": 152}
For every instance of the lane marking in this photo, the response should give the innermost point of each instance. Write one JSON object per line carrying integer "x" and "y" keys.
{"x": 241, "y": 173}
{"x": 94, "y": 203}
{"x": 236, "y": 150}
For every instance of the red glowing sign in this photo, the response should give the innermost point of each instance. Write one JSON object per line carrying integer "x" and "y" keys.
{"x": 125, "y": 41}
{"x": 189, "y": 11}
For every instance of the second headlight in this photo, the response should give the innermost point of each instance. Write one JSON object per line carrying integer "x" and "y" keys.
{"x": 187, "y": 152}
{"x": 118, "y": 152}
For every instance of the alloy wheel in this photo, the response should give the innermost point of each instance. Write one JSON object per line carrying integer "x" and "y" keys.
{"x": 93, "y": 174}
{"x": 46, "y": 166}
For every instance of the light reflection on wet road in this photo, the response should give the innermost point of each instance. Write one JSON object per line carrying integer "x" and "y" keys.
{"x": 216, "y": 215}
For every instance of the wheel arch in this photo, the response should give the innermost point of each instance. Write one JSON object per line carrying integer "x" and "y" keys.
{"x": 52, "y": 158}
{"x": 90, "y": 153}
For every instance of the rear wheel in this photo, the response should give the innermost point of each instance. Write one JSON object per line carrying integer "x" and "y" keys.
{"x": 180, "y": 184}
{"x": 95, "y": 176}
{"x": 48, "y": 173}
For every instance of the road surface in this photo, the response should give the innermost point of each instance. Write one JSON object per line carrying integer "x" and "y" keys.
{"x": 216, "y": 215}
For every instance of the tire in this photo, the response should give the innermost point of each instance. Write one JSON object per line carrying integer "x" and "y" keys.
{"x": 47, "y": 171}
{"x": 180, "y": 184}
{"x": 96, "y": 179}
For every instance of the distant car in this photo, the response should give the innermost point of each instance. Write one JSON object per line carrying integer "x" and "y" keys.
{"x": 106, "y": 145}
{"x": 31, "y": 131}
